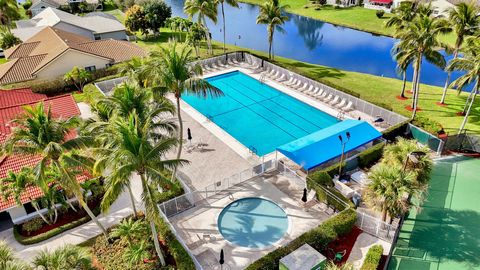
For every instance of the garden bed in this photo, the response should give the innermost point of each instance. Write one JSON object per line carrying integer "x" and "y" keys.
{"x": 343, "y": 243}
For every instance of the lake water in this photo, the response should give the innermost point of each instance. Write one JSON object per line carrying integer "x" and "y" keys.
{"x": 315, "y": 42}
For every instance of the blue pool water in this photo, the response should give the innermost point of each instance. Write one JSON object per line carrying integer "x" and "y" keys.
{"x": 257, "y": 115}
{"x": 253, "y": 222}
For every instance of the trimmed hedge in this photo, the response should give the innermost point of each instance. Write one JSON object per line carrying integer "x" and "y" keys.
{"x": 370, "y": 156}
{"x": 372, "y": 259}
{"x": 322, "y": 178}
{"x": 181, "y": 256}
{"x": 30, "y": 240}
{"x": 395, "y": 131}
{"x": 429, "y": 125}
{"x": 318, "y": 238}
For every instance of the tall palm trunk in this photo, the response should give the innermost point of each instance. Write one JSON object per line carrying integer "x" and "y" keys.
{"x": 417, "y": 86}
{"x": 207, "y": 32}
{"x": 224, "y": 34}
{"x": 464, "y": 122}
{"x": 153, "y": 229}
{"x": 270, "y": 41}
{"x": 92, "y": 216}
{"x": 404, "y": 84}
{"x": 37, "y": 210}
{"x": 447, "y": 82}
{"x": 132, "y": 198}
{"x": 465, "y": 107}
{"x": 180, "y": 136}
{"x": 414, "y": 83}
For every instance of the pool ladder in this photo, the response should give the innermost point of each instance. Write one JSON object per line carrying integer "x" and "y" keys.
{"x": 252, "y": 150}
{"x": 341, "y": 115}
{"x": 263, "y": 78}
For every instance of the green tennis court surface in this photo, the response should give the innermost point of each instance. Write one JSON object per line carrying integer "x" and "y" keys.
{"x": 445, "y": 235}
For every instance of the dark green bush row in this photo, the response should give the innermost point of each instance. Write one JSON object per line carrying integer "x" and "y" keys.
{"x": 395, "y": 131}
{"x": 46, "y": 235}
{"x": 318, "y": 238}
{"x": 372, "y": 260}
{"x": 370, "y": 156}
{"x": 429, "y": 125}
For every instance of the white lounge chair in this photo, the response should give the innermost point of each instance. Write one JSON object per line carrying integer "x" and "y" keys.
{"x": 323, "y": 95}
{"x": 319, "y": 93}
{"x": 294, "y": 82}
{"x": 335, "y": 100}
{"x": 282, "y": 78}
{"x": 273, "y": 75}
{"x": 221, "y": 64}
{"x": 206, "y": 68}
{"x": 299, "y": 85}
{"x": 349, "y": 107}
{"x": 314, "y": 92}
{"x": 342, "y": 103}
{"x": 214, "y": 66}
{"x": 328, "y": 98}
{"x": 290, "y": 81}
{"x": 310, "y": 89}
{"x": 303, "y": 88}
{"x": 279, "y": 74}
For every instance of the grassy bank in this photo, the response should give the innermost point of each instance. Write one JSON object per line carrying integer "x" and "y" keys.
{"x": 353, "y": 17}
{"x": 376, "y": 89}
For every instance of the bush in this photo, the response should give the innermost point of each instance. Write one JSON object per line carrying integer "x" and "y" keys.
{"x": 370, "y": 156}
{"x": 181, "y": 256}
{"x": 395, "y": 131}
{"x": 321, "y": 178}
{"x": 318, "y": 238}
{"x": 380, "y": 13}
{"x": 33, "y": 225}
{"x": 429, "y": 125}
{"x": 372, "y": 259}
{"x": 27, "y": 4}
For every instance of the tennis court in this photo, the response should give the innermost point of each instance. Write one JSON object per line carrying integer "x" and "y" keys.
{"x": 445, "y": 235}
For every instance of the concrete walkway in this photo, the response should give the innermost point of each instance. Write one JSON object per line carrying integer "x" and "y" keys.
{"x": 364, "y": 242}
{"x": 119, "y": 210}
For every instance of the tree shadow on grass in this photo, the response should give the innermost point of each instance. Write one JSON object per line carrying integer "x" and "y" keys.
{"x": 318, "y": 72}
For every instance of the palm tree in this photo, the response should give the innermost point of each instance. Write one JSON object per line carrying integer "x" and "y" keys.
{"x": 8, "y": 260}
{"x": 169, "y": 70}
{"x": 7, "y": 38}
{"x": 38, "y": 133}
{"x": 195, "y": 35}
{"x": 469, "y": 63}
{"x": 403, "y": 62}
{"x": 129, "y": 229}
{"x": 78, "y": 76}
{"x": 8, "y": 12}
{"x": 202, "y": 9}
{"x": 66, "y": 257}
{"x": 272, "y": 14}
{"x": 419, "y": 40}
{"x": 127, "y": 98}
{"x": 15, "y": 186}
{"x": 402, "y": 15}
{"x": 132, "y": 69}
{"x": 389, "y": 190}
{"x": 232, "y": 3}
{"x": 332, "y": 266}
{"x": 137, "y": 252}
{"x": 136, "y": 148}
{"x": 464, "y": 20}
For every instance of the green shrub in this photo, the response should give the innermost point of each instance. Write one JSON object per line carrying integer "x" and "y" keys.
{"x": 321, "y": 178}
{"x": 370, "y": 156}
{"x": 181, "y": 256}
{"x": 395, "y": 131}
{"x": 429, "y": 125}
{"x": 380, "y": 13}
{"x": 372, "y": 259}
{"x": 318, "y": 238}
{"x": 46, "y": 235}
{"x": 27, "y": 4}
{"x": 33, "y": 225}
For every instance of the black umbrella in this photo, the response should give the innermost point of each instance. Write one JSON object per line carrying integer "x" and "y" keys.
{"x": 222, "y": 259}
{"x": 304, "y": 197}
{"x": 189, "y": 134}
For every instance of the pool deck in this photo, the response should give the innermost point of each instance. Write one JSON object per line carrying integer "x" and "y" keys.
{"x": 198, "y": 226}
{"x": 238, "y": 147}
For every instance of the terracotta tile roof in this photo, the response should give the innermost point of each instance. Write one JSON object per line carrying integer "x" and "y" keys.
{"x": 20, "y": 69}
{"x": 11, "y": 103}
{"x": 44, "y": 47}
{"x": 14, "y": 97}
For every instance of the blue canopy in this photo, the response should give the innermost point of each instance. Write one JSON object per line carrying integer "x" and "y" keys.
{"x": 324, "y": 145}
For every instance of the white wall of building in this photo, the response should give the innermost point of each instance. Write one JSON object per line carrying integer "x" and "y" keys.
{"x": 67, "y": 61}
{"x": 17, "y": 212}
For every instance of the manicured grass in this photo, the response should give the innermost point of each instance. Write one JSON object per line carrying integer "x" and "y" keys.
{"x": 353, "y": 17}
{"x": 117, "y": 13}
{"x": 379, "y": 90}
{"x": 89, "y": 94}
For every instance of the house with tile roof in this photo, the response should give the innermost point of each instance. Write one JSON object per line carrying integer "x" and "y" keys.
{"x": 40, "y": 5}
{"x": 94, "y": 26}
{"x": 52, "y": 52}
{"x": 11, "y": 107}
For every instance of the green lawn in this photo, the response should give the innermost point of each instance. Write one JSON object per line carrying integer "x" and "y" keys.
{"x": 117, "y": 13}
{"x": 3, "y": 60}
{"x": 353, "y": 17}
{"x": 376, "y": 89}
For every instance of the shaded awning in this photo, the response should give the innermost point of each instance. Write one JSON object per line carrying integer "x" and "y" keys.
{"x": 324, "y": 145}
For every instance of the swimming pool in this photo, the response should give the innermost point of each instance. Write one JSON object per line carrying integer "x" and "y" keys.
{"x": 253, "y": 222}
{"x": 257, "y": 115}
